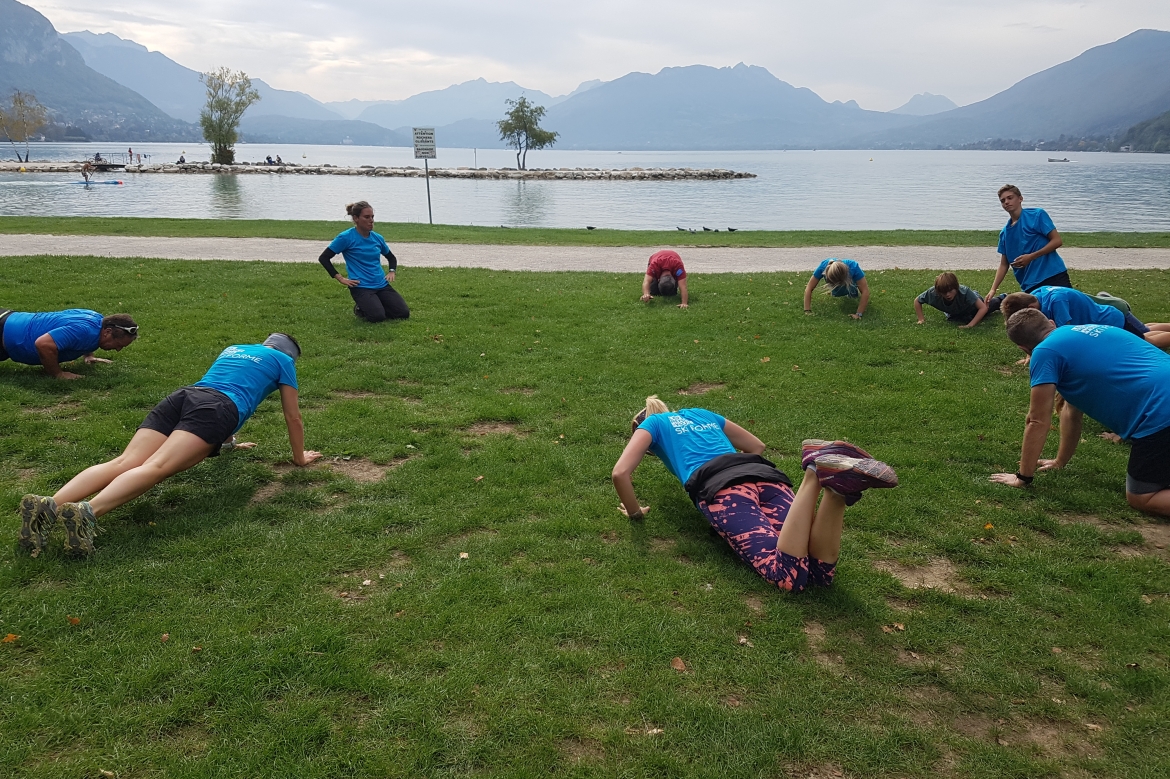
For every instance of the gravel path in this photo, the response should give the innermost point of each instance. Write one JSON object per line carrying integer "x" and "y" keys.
{"x": 620, "y": 259}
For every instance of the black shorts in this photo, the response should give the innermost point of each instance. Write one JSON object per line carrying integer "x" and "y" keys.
{"x": 1149, "y": 463}
{"x": 1059, "y": 280}
{"x": 203, "y": 411}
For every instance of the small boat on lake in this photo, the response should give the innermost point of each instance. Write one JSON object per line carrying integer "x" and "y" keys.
{"x": 1053, "y": 159}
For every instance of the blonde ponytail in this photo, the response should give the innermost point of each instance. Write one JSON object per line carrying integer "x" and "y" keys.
{"x": 655, "y": 406}
{"x": 837, "y": 275}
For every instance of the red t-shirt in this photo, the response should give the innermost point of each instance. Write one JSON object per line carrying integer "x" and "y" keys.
{"x": 664, "y": 261}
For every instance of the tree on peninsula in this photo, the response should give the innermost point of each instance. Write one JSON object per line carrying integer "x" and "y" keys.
{"x": 22, "y": 117}
{"x": 229, "y": 93}
{"x": 520, "y": 129}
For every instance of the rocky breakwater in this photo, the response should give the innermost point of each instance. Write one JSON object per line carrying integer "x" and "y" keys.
{"x": 537, "y": 174}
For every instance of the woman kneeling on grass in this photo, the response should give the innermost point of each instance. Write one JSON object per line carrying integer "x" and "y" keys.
{"x": 189, "y": 425}
{"x": 781, "y": 534}
{"x": 373, "y": 298}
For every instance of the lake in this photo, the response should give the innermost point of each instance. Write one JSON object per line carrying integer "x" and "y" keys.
{"x": 795, "y": 190}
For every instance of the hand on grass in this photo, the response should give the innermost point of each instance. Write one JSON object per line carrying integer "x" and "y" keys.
{"x": 683, "y": 305}
{"x": 644, "y": 509}
{"x": 808, "y": 312}
{"x": 246, "y": 445}
{"x": 855, "y": 316}
{"x": 920, "y": 322}
{"x": 344, "y": 281}
{"x": 647, "y": 298}
{"x": 90, "y": 360}
{"x": 1048, "y": 465}
{"x": 67, "y": 376}
{"x": 1023, "y": 361}
{"x": 307, "y": 459}
{"x": 1009, "y": 479}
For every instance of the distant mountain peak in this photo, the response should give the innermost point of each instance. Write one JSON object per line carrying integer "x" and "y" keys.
{"x": 925, "y": 104}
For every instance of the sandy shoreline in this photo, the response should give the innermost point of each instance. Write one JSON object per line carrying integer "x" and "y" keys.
{"x": 618, "y": 259}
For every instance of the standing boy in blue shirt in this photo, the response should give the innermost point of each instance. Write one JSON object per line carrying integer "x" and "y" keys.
{"x": 1121, "y": 381}
{"x": 1028, "y": 244}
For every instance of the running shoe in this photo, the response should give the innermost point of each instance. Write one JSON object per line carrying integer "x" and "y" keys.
{"x": 851, "y": 475}
{"x": 80, "y": 527}
{"x": 38, "y": 514}
{"x": 812, "y": 448}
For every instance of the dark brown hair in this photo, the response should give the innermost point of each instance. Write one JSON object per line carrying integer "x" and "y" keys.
{"x": 355, "y": 209}
{"x": 1010, "y": 188}
{"x": 1017, "y": 301}
{"x": 945, "y": 282}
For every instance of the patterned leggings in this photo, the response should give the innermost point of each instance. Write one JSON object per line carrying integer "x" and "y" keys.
{"x": 749, "y": 517}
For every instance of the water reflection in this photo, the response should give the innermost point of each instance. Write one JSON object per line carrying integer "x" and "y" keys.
{"x": 528, "y": 204}
{"x": 226, "y": 201}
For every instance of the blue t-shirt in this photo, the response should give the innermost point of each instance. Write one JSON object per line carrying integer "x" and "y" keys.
{"x": 75, "y": 331}
{"x": 687, "y": 438}
{"x": 855, "y": 275}
{"x": 248, "y": 374}
{"x": 1027, "y": 235}
{"x": 1121, "y": 381}
{"x": 1066, "y": 306}
{"x": 363, "y": 257}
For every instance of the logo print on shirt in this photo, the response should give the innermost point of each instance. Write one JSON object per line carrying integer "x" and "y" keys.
{"x": 682, "y": 425}
{"x": 1090, "y": 330}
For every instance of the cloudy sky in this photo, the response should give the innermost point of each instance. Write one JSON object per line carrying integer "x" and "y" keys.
{"x": 878, "y": 53}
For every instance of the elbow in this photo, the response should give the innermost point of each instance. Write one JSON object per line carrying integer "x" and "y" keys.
{"x": 620, "y": 475}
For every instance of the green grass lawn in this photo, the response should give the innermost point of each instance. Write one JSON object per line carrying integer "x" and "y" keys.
{"x": 414, "y": 232}
{"x": 546, "y": 651}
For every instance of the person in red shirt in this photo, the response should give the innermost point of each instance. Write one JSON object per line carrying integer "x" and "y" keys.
{"x": 665, "y": 275}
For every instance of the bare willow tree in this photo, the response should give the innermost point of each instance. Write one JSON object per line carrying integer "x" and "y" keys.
{"x": 229, "y": 93}
{"x": 520, "y": 129}
{"x": 22, "y": 117}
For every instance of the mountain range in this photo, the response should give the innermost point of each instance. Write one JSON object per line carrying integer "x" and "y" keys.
{"x": 106, "y": 87}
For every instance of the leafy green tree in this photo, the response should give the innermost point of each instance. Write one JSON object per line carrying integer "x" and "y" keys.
{"x": 22, "y": 117}
{"x": 521, "y": 129}
{"x": 229, "y": 93}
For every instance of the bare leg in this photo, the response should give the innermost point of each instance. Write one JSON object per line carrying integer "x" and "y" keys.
{"x": 1150, "y": 502}
{"x": 180, "y": 451}
{"x": 794, "y": 536}
{"x": 824, "y": 541}
{"x": 98, "y": 477}
{"x": 1159, "y": 338}
{"x": 1160, "y": 326}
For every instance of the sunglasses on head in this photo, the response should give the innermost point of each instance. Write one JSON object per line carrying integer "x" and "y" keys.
{"x": 132, "y": 330}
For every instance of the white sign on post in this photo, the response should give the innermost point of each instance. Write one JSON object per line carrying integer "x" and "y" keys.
{"x": 424, "y": 143}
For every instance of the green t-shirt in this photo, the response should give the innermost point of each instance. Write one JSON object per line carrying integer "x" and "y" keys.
{"x": 964, "y": 306}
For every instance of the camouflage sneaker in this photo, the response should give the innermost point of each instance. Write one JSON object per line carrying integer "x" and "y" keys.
{"x": 38, "y": 514}
{"x": 849, "y": 476}
{"x": 80, "y": 527}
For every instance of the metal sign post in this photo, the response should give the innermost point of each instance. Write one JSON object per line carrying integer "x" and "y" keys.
{"x": 424, "y": 149}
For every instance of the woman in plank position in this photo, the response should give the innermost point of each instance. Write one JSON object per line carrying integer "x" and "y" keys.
{"x": 373, "y": 298}
{"x": 843, "y": 278}
{"x": 783, "y": 535}
{"x": 189, "y": 425}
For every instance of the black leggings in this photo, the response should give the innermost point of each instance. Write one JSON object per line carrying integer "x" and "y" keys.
{"x": 378, "y": 305}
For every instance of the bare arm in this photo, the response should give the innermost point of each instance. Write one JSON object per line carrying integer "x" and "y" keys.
{"x": 296, "y": 428}
{"x": 863, "y": 288}
{"x": 682, "y": 290}
{"x": 1036, "y": 428}
{"x": 1000, "y": 272}
{"x": 808, "y": 290}
{"x": 623, "y": 473}
{"x": 47, "y": 350}
{"x": 646, "y": 287}
{"x": 919, "y": 312}
{"x": 982, "y": 312}
{"x": 743, "y": 440}
{"x": 1071, "y": 421}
